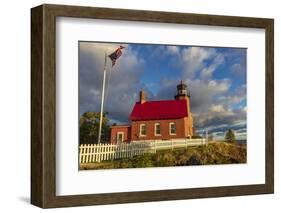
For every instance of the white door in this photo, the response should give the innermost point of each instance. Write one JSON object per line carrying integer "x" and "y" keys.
{"x": 120, "y": 137}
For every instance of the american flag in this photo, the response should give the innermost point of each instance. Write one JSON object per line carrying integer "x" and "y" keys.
{"x": 116, "y": 54}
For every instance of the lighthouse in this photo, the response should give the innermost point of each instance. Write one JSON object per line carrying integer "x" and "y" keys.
{"x": 157, "y": 119}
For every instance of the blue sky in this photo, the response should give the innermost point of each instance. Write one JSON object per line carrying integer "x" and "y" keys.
{"x": 216, "y": 78}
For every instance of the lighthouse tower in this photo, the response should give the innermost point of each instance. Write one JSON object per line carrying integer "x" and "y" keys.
{"x": 183, "y": 93}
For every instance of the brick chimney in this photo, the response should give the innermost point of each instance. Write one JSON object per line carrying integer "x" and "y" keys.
{"x": 142, "y": 97}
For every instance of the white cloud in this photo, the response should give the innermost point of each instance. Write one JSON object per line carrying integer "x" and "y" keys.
{"x": 193, "y": 59}
{"x": 236, "y": 97}
{"x": 238, "y": 70}
{"x": 219, "y": 86}
{"x": 208, "y": 71}
{"x": 217, "y": 108}
{"x": 173, "y": 50}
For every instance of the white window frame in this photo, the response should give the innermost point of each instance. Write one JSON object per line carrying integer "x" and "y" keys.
{"x": 170, "y": 128}
{"x": 155, "y": 133}
{"x": 141, "y": 125}
{"x": 117, "y": 139}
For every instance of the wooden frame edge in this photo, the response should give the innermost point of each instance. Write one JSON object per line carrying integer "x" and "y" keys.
{"x": 36, "y": 106}
{"x": 269, "y": 105}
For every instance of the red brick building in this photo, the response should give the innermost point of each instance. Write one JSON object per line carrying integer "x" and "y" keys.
{"x": 157, "y": 120}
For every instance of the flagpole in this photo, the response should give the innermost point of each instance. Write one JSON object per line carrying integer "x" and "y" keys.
{"x": 102, "y": 97}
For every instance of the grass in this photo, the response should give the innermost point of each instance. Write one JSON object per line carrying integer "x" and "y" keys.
{"x": 212, "y": 153}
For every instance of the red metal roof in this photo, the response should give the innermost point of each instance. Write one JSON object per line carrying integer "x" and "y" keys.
{"x": 153, "y": 110}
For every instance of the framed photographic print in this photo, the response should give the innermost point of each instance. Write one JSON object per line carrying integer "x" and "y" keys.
{"x": 137, "y": 106}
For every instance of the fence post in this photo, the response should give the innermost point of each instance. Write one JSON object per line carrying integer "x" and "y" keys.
{"x": 81, "y": 153}
{"x": 117, "y": 151}
{"x": 94, "y": 153}
{"x": 114, "y": 152}
{"x": 127, "y": 150}
{"x": 110, "y": 151}
{"x": 102, "y": 146}
{"x": 133, "y": 149}
{"x": 86, "y": 154}
{"x": 90, "y": 153}
{"x": 98, "y": 152}
{"x": 106, "y": 151}
{"x": 101, "y": 151}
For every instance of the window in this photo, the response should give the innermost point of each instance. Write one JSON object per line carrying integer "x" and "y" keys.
{"x": 157, "y": 130}
{"x": 172, "y": 128}
{"x": 142, "y": 130}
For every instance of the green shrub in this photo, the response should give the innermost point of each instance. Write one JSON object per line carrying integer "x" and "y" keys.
{"x": 142, "y": 161}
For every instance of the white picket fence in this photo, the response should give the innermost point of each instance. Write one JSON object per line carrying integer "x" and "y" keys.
{"x": 90, "y": 153}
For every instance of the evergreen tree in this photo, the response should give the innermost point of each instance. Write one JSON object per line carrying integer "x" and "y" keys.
{"x": 230, "y": 136}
